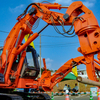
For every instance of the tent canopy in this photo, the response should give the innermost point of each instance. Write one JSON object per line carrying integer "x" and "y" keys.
{"x": 69, "y": 76}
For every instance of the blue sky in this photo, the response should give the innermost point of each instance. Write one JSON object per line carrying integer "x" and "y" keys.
{"x": 56, "y": 49}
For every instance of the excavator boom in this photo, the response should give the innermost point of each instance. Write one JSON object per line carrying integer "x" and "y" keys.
{"x": 16, "y": 72}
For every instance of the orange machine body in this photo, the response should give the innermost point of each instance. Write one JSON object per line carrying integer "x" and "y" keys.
{"x": 86, "y": 27}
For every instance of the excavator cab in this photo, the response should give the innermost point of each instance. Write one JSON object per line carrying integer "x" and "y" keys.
{"x": 30, "y": 67}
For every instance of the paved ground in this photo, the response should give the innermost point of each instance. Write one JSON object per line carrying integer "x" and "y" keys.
{"x": 80, "y": 97}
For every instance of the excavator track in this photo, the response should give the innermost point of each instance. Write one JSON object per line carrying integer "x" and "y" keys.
{"x": 24, "y": 96}
{"x": 4, "y": 96}
{"x": 33, "y": 96}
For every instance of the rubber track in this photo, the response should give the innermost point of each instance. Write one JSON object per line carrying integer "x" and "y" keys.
{"x": 33, "y": 96}
{"x": 24, "y": 96}
{"x": 4, "y": 96}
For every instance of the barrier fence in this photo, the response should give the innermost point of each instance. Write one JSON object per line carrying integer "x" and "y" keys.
{"x": 64, "y": 93}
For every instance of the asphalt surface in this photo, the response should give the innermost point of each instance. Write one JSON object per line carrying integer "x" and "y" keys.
{"x": 79, "y": 97}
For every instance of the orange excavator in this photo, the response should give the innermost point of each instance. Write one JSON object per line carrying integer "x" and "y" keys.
{"x": 16, "y": 72}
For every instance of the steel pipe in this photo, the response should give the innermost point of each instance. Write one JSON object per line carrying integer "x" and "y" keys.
{"x": 87, "y": 81}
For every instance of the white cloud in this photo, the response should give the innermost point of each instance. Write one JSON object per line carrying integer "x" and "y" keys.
{"x": 49, "y": 63}
{"x": 49, "y": 60}
{"x": 17, "y": 8}
{"x": 88, "y": 4}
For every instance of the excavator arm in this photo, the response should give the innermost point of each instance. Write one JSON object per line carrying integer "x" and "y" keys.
{"x": 48, "y": 81}
{"x": 87, "y": 29}
{"x": 85, "y": 26}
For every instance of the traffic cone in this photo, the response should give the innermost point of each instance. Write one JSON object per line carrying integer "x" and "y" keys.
{"x": 52, "y": 97}
{"x": 67, "y": 97}
{"x": 99, "y": 94}
{"x": 91, "y": 97}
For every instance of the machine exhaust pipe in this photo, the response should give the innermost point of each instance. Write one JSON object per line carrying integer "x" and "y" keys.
{"x": 87, "y": 81}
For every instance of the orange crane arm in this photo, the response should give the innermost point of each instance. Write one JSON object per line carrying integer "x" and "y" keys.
{"x": 86, "y": 27}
